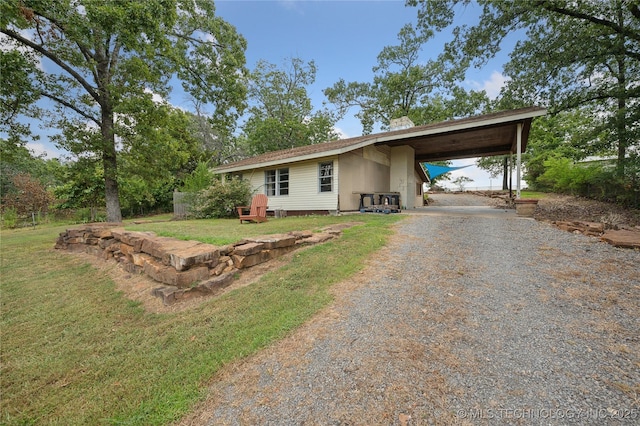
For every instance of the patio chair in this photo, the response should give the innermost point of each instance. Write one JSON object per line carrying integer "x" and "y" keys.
{"x": 257, "y": 212}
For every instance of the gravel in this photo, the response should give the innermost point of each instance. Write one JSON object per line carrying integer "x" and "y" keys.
{"x": 461, "y": 319}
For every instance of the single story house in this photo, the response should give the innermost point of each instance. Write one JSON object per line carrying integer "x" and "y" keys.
{"x": 330, "y": 177}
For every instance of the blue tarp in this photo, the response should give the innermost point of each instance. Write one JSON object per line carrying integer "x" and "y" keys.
{"x": 435, "y": 170}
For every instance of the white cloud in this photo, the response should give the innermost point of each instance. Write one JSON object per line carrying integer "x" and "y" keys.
{"x": 341, "y": 133}
{"x": 155, "y": 97}
{"x": 492, "y": 86}
{"x": 290, "y": 5}
{"x": 39, "y": 148}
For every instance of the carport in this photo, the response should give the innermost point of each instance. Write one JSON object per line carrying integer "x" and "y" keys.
{"x": 500, "y": 133}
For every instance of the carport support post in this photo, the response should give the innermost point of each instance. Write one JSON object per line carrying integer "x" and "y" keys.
{"x": 518, "y": 157}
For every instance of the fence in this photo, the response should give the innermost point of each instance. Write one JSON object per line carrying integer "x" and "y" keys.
{"x": 180, "y": 205}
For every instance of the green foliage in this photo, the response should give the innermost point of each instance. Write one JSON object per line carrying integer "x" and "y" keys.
{"x": 9, "y": 217}
{"x": 461, "y": 182}
{"x": 597, "y": 180}
{"x": 140, "y": 197}
{"x": 88, "y": 215}
{"x": 575, "y": 56}
{"x": 201, "y": 178}
{"x": 158, "y": 144}
{"x": 221, "y": 199}
{"x": 405, "y": 85}
{"x": 18, "y": 71}
{"x": 15, "y": 159}
{"x": 83, "y": 187}
{"x": 219, "y": 144}
{"x": 282, "y": 115}
{"x": 106, "y": 62}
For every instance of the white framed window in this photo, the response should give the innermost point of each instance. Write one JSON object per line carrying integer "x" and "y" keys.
{"x": 276, "y": 182}
{"x": 325, "y": 176}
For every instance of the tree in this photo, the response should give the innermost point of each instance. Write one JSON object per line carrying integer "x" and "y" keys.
{"x": 282, "y": 115}
{"x": 98, "y": 59}
{"x": 405, "y": 85}
{"x": 563, "y": 135}
{"x": 18, "y": 71}
{"x": 28, "y": 195}
{"x": 496, "y": 165}
{"x": 83, "y": 187}
{"x": 18, "y": 159}
{"x": 574, "y": 54}
{"x": 199, "y": 179}
{"x": 218, "y": 144}
{"x": 158, "y": 145}
{"x": 461, "y": 182}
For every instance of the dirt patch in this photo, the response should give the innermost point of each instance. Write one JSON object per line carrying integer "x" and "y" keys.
{"x": 567, "y": 208}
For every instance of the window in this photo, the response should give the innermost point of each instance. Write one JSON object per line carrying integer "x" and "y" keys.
{"x": 326, "y": 176}
{"x": 276, "y": 182}
{"x": 283, "y": 182}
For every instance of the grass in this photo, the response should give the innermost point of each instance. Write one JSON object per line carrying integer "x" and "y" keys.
{"x": 76, "y": 351}
{"x": 221, "y": 232}
{"x": 533, "y": 194}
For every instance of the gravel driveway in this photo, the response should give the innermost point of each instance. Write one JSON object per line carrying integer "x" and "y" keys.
{"x": 459, "y": 320}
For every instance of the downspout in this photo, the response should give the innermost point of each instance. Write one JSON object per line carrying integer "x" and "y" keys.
{"x": 336, "y": 173}
{"x": 518, "y": 158}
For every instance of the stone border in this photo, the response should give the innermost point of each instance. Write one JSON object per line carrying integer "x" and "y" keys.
{"x": 185, "y": 269}
{"x": 623, "y": 238}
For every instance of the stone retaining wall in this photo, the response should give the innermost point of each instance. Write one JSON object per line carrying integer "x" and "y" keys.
{"x": 184, "y": 268}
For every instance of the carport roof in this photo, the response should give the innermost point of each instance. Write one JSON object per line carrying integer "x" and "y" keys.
{"x": 478, "y": 136}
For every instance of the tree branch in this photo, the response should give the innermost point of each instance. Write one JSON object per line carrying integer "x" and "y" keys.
{"x": 583, "y": 16}
{"x": 115, "y": 54}
{"x": 86, "y": 52}
{"x": 71, "y": 106}
{"x": 55, "y": 59}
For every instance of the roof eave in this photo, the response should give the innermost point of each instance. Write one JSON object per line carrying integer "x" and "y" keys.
{"x": 528, "y": 115}
{"x": 294, "y": 159}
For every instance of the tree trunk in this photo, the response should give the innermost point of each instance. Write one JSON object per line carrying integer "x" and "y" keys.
{"x": 622, "y": 104}
{"x": 110, "y": 167}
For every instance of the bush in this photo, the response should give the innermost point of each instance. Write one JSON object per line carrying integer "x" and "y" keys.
{"x": 221, "y": 199}
{"x": 199, "y": 179}
{"x": 600, "y": 181}
{"x": 10, "y": 217}
{"x": 27, "y": 196}
{"x": 89, "y": 215}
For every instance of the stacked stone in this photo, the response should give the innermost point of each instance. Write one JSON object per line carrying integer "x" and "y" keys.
{"x": 593, "y": 229}
{"x": 623, "y": 238}
{"x": 185, "y": 268}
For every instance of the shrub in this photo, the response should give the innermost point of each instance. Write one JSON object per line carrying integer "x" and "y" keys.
{"x": 9, "y": 217}
{"x": 598, "y": 181}
{"x": 199, "y": 179}
{"x": 221, "y": 199}
{"x": 27, "y": 196}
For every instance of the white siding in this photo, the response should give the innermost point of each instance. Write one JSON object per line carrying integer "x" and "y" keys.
{"x": 304, "y": 189}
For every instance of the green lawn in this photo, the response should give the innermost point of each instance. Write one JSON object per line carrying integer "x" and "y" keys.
{"x": 533, "y": 194}
{"x": 75, "y": 351}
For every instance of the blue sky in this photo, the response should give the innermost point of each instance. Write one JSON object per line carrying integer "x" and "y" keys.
{"x": 344, "y": 39}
